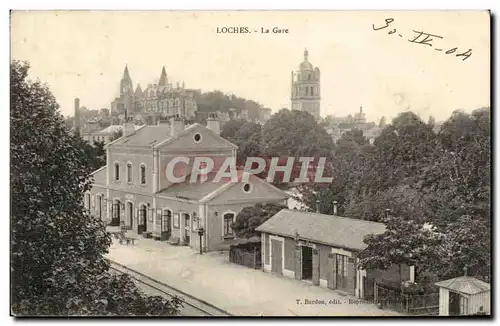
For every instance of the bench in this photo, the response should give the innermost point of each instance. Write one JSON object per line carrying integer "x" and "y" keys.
{"x": 123, "y": 238}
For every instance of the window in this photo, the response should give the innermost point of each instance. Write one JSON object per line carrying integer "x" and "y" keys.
{"x": 342, "y": 265}
{"x": 117, "y": 171}
{"x": 129, "y": 172}
{"x": 307, "y": 91}
{"x": 196, "y": 223}
{"x": 197, "y": 137}
{"x": 228, "y": 221}
{"x": 99, "y": 206}
{"x": 176, "y": 221}
{"x": 142, "y": 215}
{"x": 116, "y": 210}
{"x": 166, "y": 217}
{"x": 247, "y": 187}
{"x": 143, "y": 174}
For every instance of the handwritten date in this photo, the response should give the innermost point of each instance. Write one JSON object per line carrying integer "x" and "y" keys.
{"x": 424, "y": 38}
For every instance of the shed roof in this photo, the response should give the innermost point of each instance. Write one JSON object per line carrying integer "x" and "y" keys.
{"x": 465, "y": 284}
{"x": 332, "y": 230}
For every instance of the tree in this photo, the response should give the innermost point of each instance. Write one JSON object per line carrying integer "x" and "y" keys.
{"x": 295, "y": 133}
{"x": 96, "y": 155}
{"x": 381, "y": 124}
{"x": 403, "y": 200}
{"x": 467, "y": 247}
{"x": 57, "y": 248}
{"x": 349, "y": 156}
{"x": 405, "y": 242}
{"x": 251, "y": 217}
{"x": 117, "y": 134}
{"x": 245, "y": 135}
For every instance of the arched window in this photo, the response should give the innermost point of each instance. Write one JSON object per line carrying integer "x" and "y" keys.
{"x": 228, "y": 221}
{"x": 116, "y": 212}
{"x": 129, "y": 172}
{"x": 312, "y": 90}
{"x": 166, "y": 220}
{"x": 309, "y": 77}
{"x": 117, "y": 171}
{"x": 143, "y": 174}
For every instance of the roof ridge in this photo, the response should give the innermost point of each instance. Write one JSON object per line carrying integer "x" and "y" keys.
{"x": 341, "y": 217}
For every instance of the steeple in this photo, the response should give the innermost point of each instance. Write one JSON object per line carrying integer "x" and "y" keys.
{"x": 138, "y": 90}
{"x": 306, "y": 55}
{"x": 126, "y": 82}
{"x": 126, "y": 75}
{"x": 163, "y": 78}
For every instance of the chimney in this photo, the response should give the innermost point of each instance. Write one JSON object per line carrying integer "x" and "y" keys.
{"x": 213, "y": 124}
{"x": 128, "y": 125}
{"x": 335, "y": 208}
{"x": 317, "y": 205}
{"x": 176, "y": 126}
{"x": 77, "y": 115}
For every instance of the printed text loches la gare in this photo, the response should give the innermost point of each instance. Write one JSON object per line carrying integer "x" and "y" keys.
{"x": 247, "y": 30}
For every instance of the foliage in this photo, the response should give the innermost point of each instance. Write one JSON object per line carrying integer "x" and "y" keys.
{"x": 467, "y": 249}
{"x": 96, "y": 155}
{"x": 117, "y": 134}
{"x": 404, "y": 242}
{"x": 246, "y": 135}
{"x": 251, "y": 217}
{"x": 57, "y": 248}
{"x": 295, "y": 133}
{"x": 218, "y": 101}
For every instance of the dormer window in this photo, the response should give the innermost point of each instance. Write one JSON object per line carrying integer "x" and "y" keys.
{"x": 117, "y": 171}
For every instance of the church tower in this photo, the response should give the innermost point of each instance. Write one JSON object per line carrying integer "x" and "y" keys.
{"x": 126, "y": 86}
{"x": 126, "y": 93}
{"x": 305, "y": 88}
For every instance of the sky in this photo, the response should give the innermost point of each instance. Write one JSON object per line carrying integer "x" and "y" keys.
{"x": 83, "y": 54}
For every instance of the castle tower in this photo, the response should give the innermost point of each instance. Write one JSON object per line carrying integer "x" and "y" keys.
{"x": 305, "y": 89}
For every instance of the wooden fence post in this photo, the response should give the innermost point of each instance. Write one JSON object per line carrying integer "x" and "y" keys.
{"x": 375, "y": 292}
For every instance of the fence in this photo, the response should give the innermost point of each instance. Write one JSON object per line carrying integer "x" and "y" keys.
{"x": 417, "y": 304}
{"x": 245, "y": 255}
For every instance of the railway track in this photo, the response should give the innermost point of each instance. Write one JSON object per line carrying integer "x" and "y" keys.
{"x": 192, "y": 306}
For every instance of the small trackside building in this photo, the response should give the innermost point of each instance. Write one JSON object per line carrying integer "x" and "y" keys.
{"x": 317, "y": 248}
